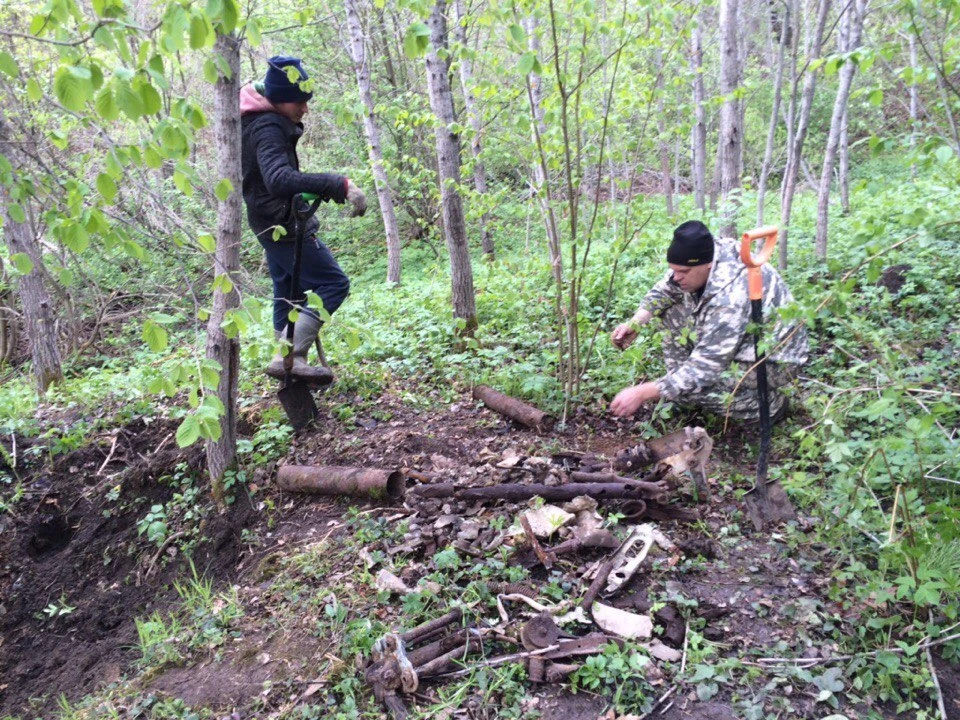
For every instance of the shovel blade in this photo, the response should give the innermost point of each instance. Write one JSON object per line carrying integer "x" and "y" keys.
{"x": 298, "y": 404}
{"x": 768, "y": 504}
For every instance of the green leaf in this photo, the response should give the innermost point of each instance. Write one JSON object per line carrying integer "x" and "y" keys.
{"x": 209, "y": 377}
{"x": 72, "y": 87}
{"x": 198, "y": 32}
{"x": 155, "y": 336}
{"x": 223, "y": 190}
{"x": 152, "y": 158}
{"x": 183, "y": 183}
{"x": 517, "y": 35}
{"x": 34, "y": 91}
{"x": 415, "y": 40}
{"x": 189, "y": 431}
{"x": 230, "y": 16}
{"x": 106, "y": 187}
{"x": 129, "y": 101}
{"x": 16, "y": 213}
{"x": 253, "y": 32}
{"x": 106, "y": 104}
{"x": 876, "y": 97}
{"x": 22, "y": 262}
{"x": 525, "y": 64}
{"x": 152, "y": 103}
{"x": 207, "y": 242}
{"x": 8, "y": 66}
{"x": 210, "y": 73}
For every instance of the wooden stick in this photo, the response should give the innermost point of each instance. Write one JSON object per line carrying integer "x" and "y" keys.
{"x": 514, "y": 409}
{"x": 598, "y": 582}
{"x": 543, "y": 557}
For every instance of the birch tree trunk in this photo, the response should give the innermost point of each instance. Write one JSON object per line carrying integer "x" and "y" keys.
{"x": 39, "y": 318}
{"x": 222, "y": 453}
{"x": 448, "y": 162}
{"x": 698, "y": 139}
{"x": 852, "y": 27}
{"x": 731, "y": 129}
{"x": 358, "y": 54}
{"x": 785, "y": 33}
{"x": 473, "y": 116}
{"x": 666, "y": 184}
{"x": 800, "y": 133}
{"x": 843, "y": 171}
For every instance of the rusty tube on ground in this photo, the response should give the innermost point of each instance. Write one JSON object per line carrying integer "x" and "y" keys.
{"x": 339, "y": 481}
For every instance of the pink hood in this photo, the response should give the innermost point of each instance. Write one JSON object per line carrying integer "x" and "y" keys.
{"x": 253, "y": 102}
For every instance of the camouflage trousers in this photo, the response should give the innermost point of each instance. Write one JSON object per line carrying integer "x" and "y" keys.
{"x": 720, "y": 398}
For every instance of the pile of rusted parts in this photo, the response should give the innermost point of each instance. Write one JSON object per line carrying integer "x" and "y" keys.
{"x": 559, "y": 520}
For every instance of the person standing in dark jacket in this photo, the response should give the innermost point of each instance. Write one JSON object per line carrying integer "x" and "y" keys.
{"x": 272, "y": 121}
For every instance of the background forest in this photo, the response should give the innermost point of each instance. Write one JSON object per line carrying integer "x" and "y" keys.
{"x": 525, "y": 164}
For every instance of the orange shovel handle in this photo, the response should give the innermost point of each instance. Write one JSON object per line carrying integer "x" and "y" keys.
{"x": 768, "y": 234}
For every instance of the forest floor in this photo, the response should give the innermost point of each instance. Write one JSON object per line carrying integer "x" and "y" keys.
{"x": 282, "y": 602}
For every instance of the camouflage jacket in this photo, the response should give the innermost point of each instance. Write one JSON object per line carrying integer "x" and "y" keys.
{"x": 715, "y": 325}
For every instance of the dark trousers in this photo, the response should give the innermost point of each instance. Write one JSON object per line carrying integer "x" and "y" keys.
{"x": 319, "y": 272}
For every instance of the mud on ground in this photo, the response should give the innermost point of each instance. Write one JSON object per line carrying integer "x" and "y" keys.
{"x": 70, "y": 540}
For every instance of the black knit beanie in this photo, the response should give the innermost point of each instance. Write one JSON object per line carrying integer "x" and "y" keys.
{"x": 277, "y": 87}
{"x": 692, "y": 245}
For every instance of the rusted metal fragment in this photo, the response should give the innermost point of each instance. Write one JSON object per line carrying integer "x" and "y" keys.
{"x": 432, "y": 628}
{"x": 514, "y": 409}
{"x": 338, "y": 481}
{"x": 540, "y": 632}
{"x": 518, "y": 492}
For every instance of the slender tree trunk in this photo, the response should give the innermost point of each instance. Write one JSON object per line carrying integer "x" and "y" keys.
{"x": 731, "y": 129}
{"x": 35, "y": 300}
{"x": 473, "y": 115}
{"x": 666, "y": 184}
{"x": 222, "y": 453}
{"x": 448, "y": 162}
{"x": 796, "y": 153}
{"x": 852, "y": 26}
{"x": 358, "y": 54}
{"x": 785, "y": 33}
{"x": 914, "y": 96}
{"x": 844, "y": 167}
{"x": 698, "y": 140}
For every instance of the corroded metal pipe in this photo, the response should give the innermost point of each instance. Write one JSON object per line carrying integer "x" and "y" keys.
{"x": 338, "y": 481}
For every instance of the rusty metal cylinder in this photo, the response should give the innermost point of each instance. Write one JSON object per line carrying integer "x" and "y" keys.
{"x": 340, "y": 481}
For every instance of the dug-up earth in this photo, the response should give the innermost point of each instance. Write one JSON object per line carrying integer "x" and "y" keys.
{"x": 304, "y": 585}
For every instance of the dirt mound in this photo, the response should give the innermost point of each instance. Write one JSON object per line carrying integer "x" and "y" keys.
{"x": 74, "y": 572}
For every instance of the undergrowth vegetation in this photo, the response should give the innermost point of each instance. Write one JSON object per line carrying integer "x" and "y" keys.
{"x": 870, "y": 452}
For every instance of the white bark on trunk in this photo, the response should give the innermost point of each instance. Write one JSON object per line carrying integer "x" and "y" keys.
{"x": 358, "y": 54}
{"x": 222, "y": 453}
{"x": 851, "y": 29}
{"x": 448, "y": 163}
{"x": 731, "y": 129}
{"x": 698, "y": 139}
{"x": 544, "y": 194}
{"x": 36, "y": 303}
{"x": 476, "y": 125}
{"x": 666, "y": 181}
{"x": 796, "y": 152}
{"x": 785, "y": 33}
{"x": 843, "y": 170}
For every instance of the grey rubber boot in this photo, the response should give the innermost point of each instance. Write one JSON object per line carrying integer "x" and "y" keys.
{"x": 304, "y": 336}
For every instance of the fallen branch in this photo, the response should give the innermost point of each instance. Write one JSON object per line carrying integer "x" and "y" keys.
{"x": 514, "y": 409}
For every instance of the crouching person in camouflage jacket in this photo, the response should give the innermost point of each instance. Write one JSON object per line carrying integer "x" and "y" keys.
{"x": 705, "y": 309}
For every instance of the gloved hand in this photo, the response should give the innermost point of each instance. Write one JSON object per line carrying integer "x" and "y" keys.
{"x": 357, "y": 199}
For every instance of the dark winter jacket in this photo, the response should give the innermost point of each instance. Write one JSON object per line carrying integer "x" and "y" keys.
{"x": 271, "y": 170}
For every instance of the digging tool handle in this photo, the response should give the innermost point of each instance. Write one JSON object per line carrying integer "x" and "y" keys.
{"x": 300, "y": 226}
{"x": 754, "y": 265}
